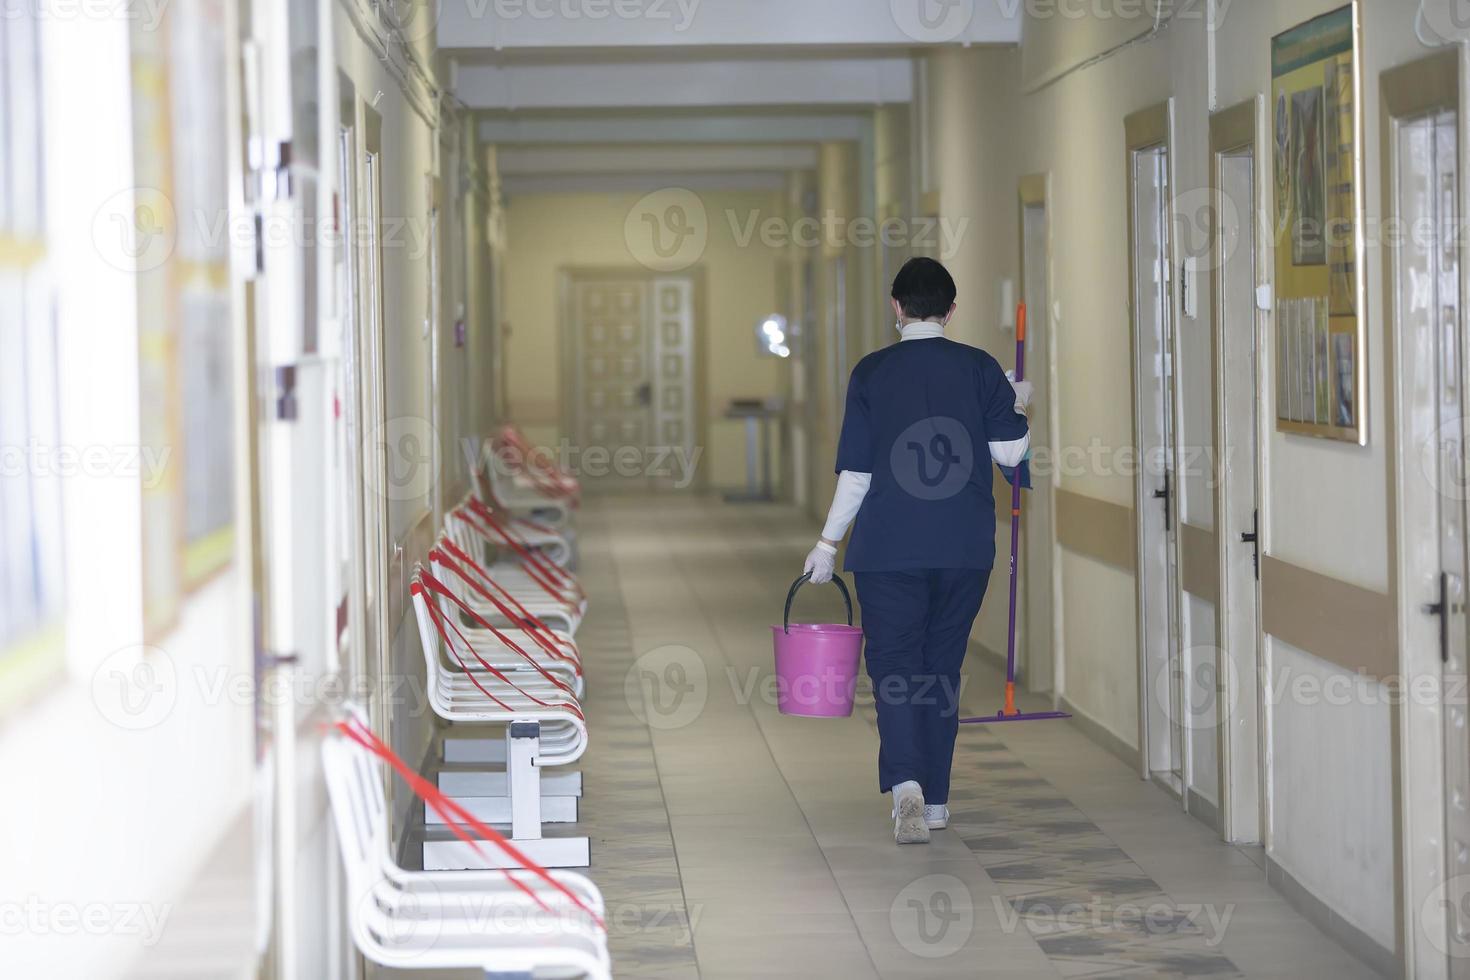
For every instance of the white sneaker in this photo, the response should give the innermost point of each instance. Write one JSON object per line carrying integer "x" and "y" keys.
{"x": 936, "y": 816}
{"x": 909, "y": 826}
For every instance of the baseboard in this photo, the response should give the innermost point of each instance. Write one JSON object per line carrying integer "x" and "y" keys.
{"x": 1384, "y": 962}
{"x": 1096, "y": 731}
{"x": 1204, "y": 811}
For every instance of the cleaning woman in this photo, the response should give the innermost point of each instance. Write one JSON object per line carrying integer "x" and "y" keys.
{"x": 924, "y": 541}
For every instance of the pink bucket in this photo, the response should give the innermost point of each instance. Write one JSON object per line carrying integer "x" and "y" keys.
{"x": 817, "y": 665}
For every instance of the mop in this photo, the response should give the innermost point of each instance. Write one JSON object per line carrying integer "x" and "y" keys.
{"x": 1010, "y": 712}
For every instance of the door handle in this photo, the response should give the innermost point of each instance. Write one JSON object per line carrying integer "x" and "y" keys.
{"x": 1440, "y": 609}
{"x": 645, "y": 394}
{"x": 1164, "y": 495}
{"x": 1253, "y": 538}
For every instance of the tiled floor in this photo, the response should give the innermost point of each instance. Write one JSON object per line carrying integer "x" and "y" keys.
{"x": 732, "y": 841}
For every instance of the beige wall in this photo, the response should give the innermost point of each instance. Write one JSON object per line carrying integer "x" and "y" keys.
{"x": 551, "y": 232}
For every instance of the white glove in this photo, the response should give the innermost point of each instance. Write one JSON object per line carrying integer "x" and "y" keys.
{"x": 821, "y": 563}
{"x": 1024, "y": 390}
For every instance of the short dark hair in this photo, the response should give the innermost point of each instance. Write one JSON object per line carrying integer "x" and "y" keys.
{"x": 924, "y": 288}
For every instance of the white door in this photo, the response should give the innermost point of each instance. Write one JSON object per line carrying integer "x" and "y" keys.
{"x": 1036, "y": 644}
{"x": 1238, "y": 518}
{"x": 1161, "y": 693}
{"x": 630, "y": 344}
{"x": 1433, "y": 515}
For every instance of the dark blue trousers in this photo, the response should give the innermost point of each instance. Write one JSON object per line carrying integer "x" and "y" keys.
{"x": 916, "y": 625}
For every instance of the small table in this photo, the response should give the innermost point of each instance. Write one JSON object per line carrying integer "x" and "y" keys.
{"x": 757, "y": 416}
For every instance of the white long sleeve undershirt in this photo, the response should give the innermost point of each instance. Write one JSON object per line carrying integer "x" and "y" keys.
{"x": 852, "y": 486}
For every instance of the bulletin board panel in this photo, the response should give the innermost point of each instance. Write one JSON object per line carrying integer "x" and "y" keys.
{"x": 1317, "y": 179}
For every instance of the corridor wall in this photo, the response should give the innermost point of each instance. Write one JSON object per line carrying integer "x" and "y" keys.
{"x": 1325, "y": 507}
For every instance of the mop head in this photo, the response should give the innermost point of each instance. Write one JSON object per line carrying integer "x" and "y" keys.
{"x": 1018, "y": 716}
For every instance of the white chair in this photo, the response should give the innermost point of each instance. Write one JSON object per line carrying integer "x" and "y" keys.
{"x": 498, "y": 627}
{"x": 557, "y": 542}
{"x": 552, "y": 597}
{"x": 544, "y": 727}
{"x": 523, "y": 487}
{"x": 453, "y": 920}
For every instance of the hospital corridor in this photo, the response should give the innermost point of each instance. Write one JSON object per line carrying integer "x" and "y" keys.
{"x": 548, "y": 489}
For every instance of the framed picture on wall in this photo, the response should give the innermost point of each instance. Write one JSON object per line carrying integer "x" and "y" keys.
{"x": 1317, "y": 180}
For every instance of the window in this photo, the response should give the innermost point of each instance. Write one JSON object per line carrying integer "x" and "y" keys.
{"x": 32, "y": 457}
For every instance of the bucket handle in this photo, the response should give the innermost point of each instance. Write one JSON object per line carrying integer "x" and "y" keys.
{"x": 805, "y": 578}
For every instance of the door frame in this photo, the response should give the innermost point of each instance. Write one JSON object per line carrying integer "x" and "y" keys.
{"x": 1411, "y": 92}
{"x": 1243, "y": 787}
{"x": 569, "y": 276}
{"x": 1147, "y": 129}
{"x": 1034, "y": 191}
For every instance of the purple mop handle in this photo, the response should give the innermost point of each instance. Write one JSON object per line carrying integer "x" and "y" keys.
{"x": 1016, "y": 506}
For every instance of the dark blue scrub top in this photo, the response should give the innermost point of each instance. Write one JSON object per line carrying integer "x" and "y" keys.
{"x": 920, "y": 417}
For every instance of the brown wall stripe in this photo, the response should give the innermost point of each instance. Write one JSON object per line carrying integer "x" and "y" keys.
{"x": 1097, "y": 529}
{"x": 1344, "y": 624}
